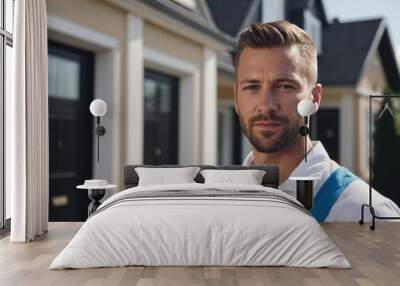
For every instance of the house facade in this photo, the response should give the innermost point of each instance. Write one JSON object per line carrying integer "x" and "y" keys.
{"x": 155, "y": 65}
{"x": 165, "y": 70}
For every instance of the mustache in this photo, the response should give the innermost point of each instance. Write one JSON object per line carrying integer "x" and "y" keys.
{"x": 270, "y": 117}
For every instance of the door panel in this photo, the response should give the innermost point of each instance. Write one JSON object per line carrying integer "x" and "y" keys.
{"x": 70, "y": 130}
{"x": 327, "y": 129}
{"x": 237, "y": 139}
{"x": 160, "y": 118}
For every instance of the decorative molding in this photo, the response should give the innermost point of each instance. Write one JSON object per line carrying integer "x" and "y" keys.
{"x": 173, "y": 25}
{"x": 175, "y": 66}
{"x": 75, "y": 30}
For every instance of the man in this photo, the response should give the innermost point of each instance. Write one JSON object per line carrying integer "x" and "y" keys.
{"x": 276, "y": 67}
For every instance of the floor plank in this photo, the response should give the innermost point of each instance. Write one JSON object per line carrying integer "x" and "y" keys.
{"x": 374, "y": 255}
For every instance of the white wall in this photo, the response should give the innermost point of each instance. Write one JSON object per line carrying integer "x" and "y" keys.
{"x": 106, "y": 88}
{"x": 273, "y": 10}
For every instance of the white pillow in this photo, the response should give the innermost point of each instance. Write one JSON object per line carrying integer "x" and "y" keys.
{"x": 162, "y": 176}
{"x": 248, "y": 177}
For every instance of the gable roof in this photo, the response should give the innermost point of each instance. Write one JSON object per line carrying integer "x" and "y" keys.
{"x": 346, "y": 49}
{"x": 229, "y": 15}
{"x": 198, "y": 18}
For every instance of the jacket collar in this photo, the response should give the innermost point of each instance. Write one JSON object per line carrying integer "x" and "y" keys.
{"x": 318, "y": 165}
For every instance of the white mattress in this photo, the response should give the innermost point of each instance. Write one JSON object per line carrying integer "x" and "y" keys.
{"x": 183, "y": 231}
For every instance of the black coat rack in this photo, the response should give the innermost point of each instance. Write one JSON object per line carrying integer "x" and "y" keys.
{"x": 369, "y": 205}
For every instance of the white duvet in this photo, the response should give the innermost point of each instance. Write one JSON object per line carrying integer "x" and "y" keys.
{"x": 183, "y": 231}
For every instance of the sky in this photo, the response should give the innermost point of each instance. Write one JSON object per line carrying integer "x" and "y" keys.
{"x": 346, "y": 10}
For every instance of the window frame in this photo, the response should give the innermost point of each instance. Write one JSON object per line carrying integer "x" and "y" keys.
{"x": 6, "y": 39}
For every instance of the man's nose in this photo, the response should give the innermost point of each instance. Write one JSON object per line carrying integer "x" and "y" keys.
{"x": 267, "y": 102}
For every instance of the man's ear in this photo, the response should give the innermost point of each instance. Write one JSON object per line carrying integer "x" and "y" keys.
{"x": 235, "y": 97}
{"x": 316, "y": 94}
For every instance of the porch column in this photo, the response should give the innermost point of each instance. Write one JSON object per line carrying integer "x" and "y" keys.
{"x": 346, "y": 127}
{"x": 209, "y": 107}
{"x": 134, "y": 97}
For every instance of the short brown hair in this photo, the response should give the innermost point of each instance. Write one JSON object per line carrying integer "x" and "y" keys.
{"x": 279, "y": 34}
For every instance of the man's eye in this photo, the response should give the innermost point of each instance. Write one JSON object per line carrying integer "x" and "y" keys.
{"x": 251, "y": 87}
{"x": 284, "y": 86}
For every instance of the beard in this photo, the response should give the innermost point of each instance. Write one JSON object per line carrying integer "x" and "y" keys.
{"x": 271, "y": 141}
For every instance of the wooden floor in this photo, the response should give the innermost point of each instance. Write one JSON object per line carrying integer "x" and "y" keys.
{"x": 374, "y": 255}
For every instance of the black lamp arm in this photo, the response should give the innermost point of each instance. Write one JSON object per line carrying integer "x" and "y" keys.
{"x": 304, "y": 131}
{"x": 100, "y": 131}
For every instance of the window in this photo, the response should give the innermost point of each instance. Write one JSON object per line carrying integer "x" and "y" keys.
{"x": 161, "y": 118}
{"x": 6, "y": 44}
{"x": 312, "y": 26}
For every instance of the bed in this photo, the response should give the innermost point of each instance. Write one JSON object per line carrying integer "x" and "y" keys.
{"x": 201, "y": 224}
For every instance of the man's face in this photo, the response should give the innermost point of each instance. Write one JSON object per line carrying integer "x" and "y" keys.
{"x": 270, "y": 84}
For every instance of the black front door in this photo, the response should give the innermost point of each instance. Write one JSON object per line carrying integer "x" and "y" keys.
{"x": 160, "y": 118}
{"x": 70, "y": 130}
{"x": 327, "y": 127}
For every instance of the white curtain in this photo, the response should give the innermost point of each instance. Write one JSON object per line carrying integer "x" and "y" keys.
{"x": 27, "y": 124}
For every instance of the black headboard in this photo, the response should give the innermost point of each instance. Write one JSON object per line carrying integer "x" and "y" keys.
{"x": 270, "y": 179}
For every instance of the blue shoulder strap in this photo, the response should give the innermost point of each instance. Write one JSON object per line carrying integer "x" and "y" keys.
{"x": 330, "y": 191}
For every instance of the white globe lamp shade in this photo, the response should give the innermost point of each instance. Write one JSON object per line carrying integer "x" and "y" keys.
{"x": 98, "y": 107}
{"x": 305, "y": 107}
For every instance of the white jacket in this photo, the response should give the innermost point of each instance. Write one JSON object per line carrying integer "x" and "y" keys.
{"x": 348, "y": 205}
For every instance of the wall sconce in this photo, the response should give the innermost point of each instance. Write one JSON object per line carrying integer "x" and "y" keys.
{"x": 305, "y": 108}
{"x": 98, "y": 108}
